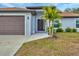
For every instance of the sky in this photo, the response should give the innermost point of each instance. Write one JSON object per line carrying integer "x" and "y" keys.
{"x": 60, "y": 6}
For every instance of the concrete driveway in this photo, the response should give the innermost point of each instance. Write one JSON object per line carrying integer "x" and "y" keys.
{"x": 10, "y": 43}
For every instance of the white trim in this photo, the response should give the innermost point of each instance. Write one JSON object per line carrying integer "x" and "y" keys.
{"x": 75, "y": 23}
{"x": 25, "y": 27}
{"x": 36, "y": 24}
{"x": 39, "y": 10}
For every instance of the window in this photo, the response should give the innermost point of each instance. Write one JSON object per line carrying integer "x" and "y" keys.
{"x": 77, "y": 23}
{"x": 56, "y": 24}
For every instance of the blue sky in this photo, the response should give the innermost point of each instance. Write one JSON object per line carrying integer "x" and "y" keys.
{"x": 60, "y": 6}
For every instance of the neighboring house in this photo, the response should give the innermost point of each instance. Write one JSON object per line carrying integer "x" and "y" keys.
{"x": 28, "y": 21}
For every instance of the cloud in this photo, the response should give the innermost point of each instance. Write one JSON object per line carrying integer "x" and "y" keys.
{"x": 7, "y": 5}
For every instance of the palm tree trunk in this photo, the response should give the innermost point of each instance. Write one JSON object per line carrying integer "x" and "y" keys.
{"x": 49, "y": 28}
{"x": 53, "y": 32}
{"x": 52, "y": 29}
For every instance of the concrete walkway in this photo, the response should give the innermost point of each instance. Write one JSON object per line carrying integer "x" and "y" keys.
{"x": 36, "y": 36}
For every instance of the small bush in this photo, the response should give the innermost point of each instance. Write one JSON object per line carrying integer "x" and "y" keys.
{"x": 59, "y": 30}
{"x": 68, "y": 30}
{"x": 74, "y": 30}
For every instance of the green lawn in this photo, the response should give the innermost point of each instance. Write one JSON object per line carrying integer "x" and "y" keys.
{"x": 67, "y": 44}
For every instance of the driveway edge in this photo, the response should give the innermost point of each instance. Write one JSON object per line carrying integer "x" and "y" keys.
{"x": 18, "y": 47}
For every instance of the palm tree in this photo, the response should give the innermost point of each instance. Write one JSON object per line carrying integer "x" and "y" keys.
{"x": 51, "y": 14}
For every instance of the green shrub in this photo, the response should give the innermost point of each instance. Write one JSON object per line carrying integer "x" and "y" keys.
{"x": 74, "y": 30}
{"x": 59, "y": 30}
{"x": 68, "y": 29}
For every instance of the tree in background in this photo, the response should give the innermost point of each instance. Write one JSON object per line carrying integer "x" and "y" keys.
{"x": 68, "y": 10}
{"x": 74, "y": 10}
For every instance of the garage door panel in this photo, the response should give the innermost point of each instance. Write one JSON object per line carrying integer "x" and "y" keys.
{"x": 11, "y": 25}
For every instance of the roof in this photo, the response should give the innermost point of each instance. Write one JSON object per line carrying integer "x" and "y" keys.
{"x": 15, "y": 9}
{"x": 63, "y": 14}
{"x": 69, "y": 14}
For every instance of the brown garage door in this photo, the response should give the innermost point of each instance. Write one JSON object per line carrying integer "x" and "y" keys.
{"x": 11, "y": 25}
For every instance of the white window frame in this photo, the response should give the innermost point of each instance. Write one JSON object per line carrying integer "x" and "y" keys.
{"x": 76, "y": 22}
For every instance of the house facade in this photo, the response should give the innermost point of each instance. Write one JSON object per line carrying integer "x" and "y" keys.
{"x": 28, "y": 21}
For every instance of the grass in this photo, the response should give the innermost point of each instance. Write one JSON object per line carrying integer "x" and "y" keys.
{"x": 67, "y": 44}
